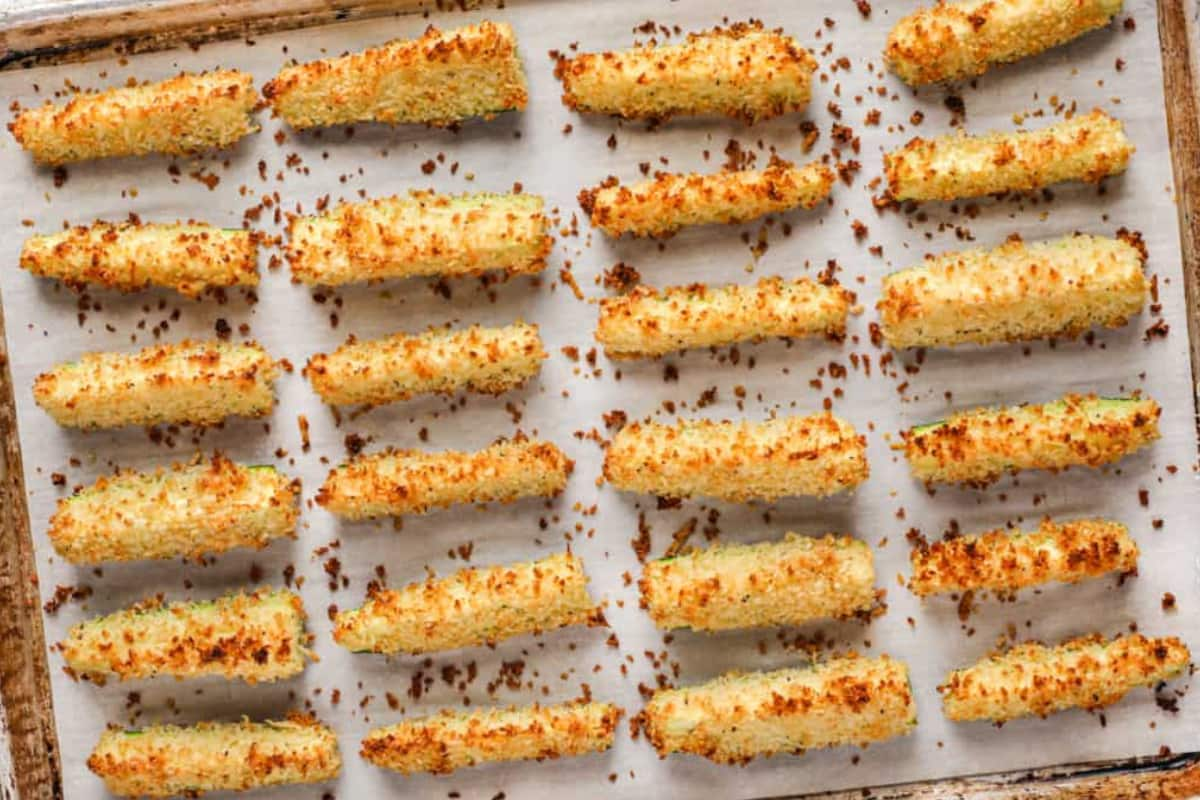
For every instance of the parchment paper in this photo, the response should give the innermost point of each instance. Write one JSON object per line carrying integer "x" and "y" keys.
{"x": 48, "y": 324}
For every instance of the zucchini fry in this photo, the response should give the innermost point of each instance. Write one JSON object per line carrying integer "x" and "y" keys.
{"x": 441, "y": 361}
{"x": 397, "y": 482}
{"x": 169, "y": 760}
{"x": 189, "y": 510}
{"x": 438, "y": 79}
{"x": 418, "y": 234}
{"x": 180, "y": 116}
{"x": 955, "y": 40}
{"x": 789, "y": 582}
{"x": 1005, "y": 561}
{"x": 200, "y": 383}
{"x": 471, "y": 607}
{"x": 817, "y": 455}
{"x": 1087, "y": 147}
{"x": 741, "y": 71}
{"x": 650, "y": 322}
{"x": 452, "y": 740}
{"x": 740, "y": 716}
{"x": 1016, "y": 292}
{"x": 255, "y": 637}
{"x": 187, "y": 257}
{"x": 1033, "y": 679}
{"x": 977, "y": 447}
{"x": 669, "y": 202}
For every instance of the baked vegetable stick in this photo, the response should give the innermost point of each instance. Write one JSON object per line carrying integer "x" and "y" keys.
{"x": 977, "y": 447}
{"x": 1087, "y": 147}
{"x": 398, "y": 482}
{"x": 256, "y": 637}
{"x": 1005, "y": 561}
{"x": 666, "y": 203}
{"x": 169, "y": 760}
{"x": 451, "y": 740}
{"x": 441, "y": 361}
{"x": 788, "y": 582}
{"x": 817, "y": 455}
{"x": 740, "y": 716}
{"x": 191, "y": 382}
{"x": 188, "y": 510}
{"x": 1087, "y": 672}
{"x": 187, "y": 257}
{"x": 741, "y": 71}
{"x": 180, "y": 116}
{"x": 438, "y": 79}
{"x": 417, "y": 234}
{"x": 955, "y": 40}
{"x": 472, "y": 607}
{"x": 651, "y": 322}
{"x": 1016, "y": 292}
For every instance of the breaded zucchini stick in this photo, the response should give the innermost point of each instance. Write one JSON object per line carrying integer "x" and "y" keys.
{"x": 191, "y": 382}
{"x": 438, "y": 79}
{"x": 256, "y": 637}
{"x": 452, "y": 740}
{"x": 977, "y": 447}
{"x": 739, "y": 716}
{"x": 1005, "y": 561}
{"x": 669, "y": 202}
{"x": 817, "y": 455}
{"x": 741, "y": 71}
{"x": 1087, "y": 672}
{"x": 188, "y": 510}
{"x": 787, "y": 582}
{"x": 420, "y": 233}
{"x": 398, "y": 482}
{"x": 180, "y": 116}
{"x": 187, "y": 257}
{"x": 1087, "y": 147}
{"x": 1013, "y": 293}
{"x": 471, "y": 607}
{"x": 955, "y": 40}
{"x": 651, "y": 322}
{"x": 440, "y": 361}
{"x": 168, "y": 760}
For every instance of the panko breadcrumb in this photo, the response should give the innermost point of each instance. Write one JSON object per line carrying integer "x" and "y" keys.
{"x": 741, "y": 71}
{"x": 740, "y": 716}
{"x": 474, "y": 606}
{"x": 1033, "y": 679}
{"x": 453, "y": 740}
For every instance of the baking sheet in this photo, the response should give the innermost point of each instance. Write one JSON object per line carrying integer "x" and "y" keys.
{"x": 567, "y": 403}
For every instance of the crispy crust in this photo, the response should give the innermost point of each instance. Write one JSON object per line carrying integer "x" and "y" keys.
{"x": 180, "y": 116}
{"x": 1033, "y": 679}
{"x": 413, "y": 482}
{"x": 197, "y": 382}
{"x": 740, "y": 716}
{"x": 255, "y": 637}
{"x": 977, "y": 447}
{"x": 741, "y": 71}
{"x": 817, "y": 455}
{"x": 167, "y": 760}
{"x": 441, "y": 361}
{"x": 438, "y": 79}
{"x": 1015, "y": 292}
{"x": 1087, "y": 147}
{"x": 452, "y": 740}
{"x": 789, "y": 582}
{"x": 471, "y": 607}
{"x": 668, "y": 202}
{"x": 650, "y": 322}
{"x": 1004, "y": 560}
{"x": 956, "y": 40}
